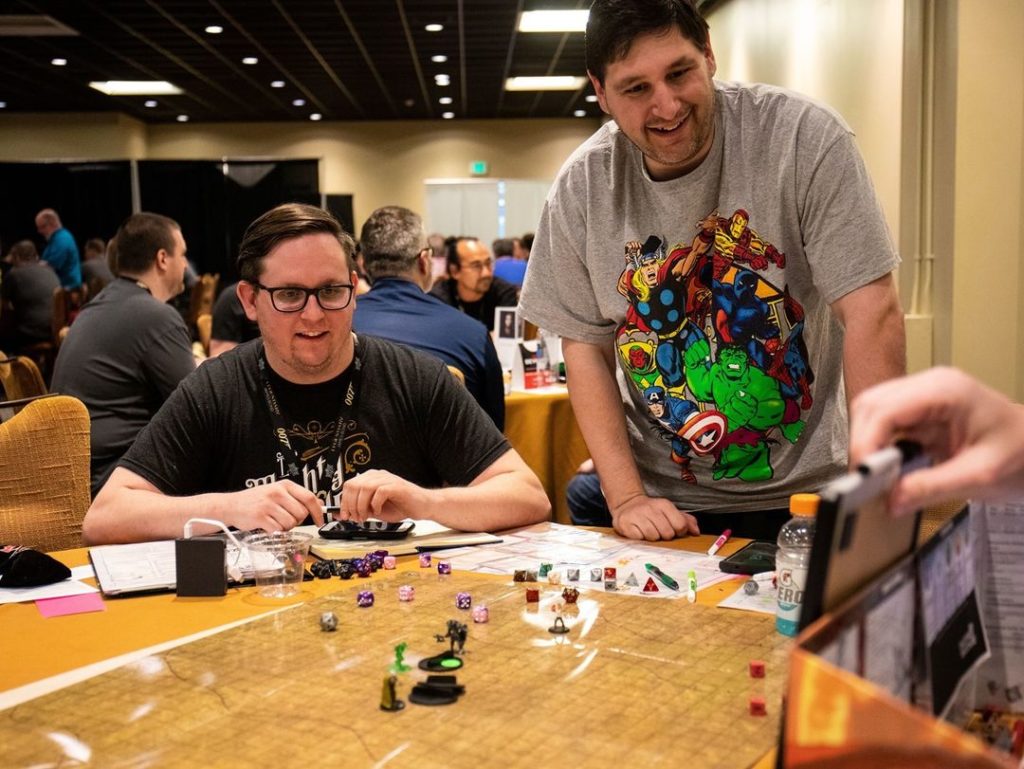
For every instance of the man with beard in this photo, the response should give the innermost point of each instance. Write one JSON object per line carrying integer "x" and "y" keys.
{"x": 758, "y": 178}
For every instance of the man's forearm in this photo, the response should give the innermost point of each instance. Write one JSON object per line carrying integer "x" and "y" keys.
{"x": 599, "y": 413}
{"x": 505, "y": 501}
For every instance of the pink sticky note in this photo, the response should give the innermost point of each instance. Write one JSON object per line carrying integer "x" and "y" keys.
{"x": 70, "y": 604}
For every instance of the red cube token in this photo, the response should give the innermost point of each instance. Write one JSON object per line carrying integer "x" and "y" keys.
{"x": 609, "y": 572}
{"x": 756, "y": 669}
{"x": 757, "y": 707}
{"x": 532, "y": 595}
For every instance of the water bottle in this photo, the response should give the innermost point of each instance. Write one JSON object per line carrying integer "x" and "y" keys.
{"x": 792, "y": 559}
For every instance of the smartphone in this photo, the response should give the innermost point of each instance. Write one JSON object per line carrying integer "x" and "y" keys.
{"x": 367, "y": 530}
{"x": 752, "y": 558}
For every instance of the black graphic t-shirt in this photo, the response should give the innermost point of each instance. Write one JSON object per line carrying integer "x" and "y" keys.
{"x": 411, "y": 418}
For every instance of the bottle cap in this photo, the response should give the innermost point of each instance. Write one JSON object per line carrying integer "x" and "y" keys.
{"x": 803, "y": 504}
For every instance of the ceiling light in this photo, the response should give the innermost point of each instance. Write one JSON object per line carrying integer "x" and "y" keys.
{"x": 250, "y": 60}
{"x": 214, "y": 29}
{"x": 135, "y": 87}
{"x": 439, "y": 58}
{"x": 445, "y": 100}
{"x": 442, "y": 80}
{"x": 555, "y": 83}
{"x": 580, "y": 113}
{"x": 150, "y": 103}
{"x": 447, "y": 115}
{"x": 277, "y": 84}
{"x": 3, "y": 105}
{"x": 298, "y": 102}
{"x": 553, "y": 21}
{"x": 590, "y": 98}
{"x": 182, "y": 118}
{"x": 434, "y": 27}
{"x": 59, "y": 62}
{"x": 316, "y": 116}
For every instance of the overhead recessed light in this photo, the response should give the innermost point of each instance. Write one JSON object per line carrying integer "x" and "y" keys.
{"x": 277, "y": 84}
{"x": 447, "y": 115}
{"x": 182, "y": 118}
{"x": 590, "y": 98}
{"x": 580, "y": 113}
{"x": 409, "y": 102}
{"x": 150, "y": 103}
{"x": 59, "y": 62}
{"x": 250, "y": 60}
{"x": 298, "y": 102}
{"x": 316, "y": 116}
{"x": 434, "y": 27}
{"x": 553, "y": 21}
{"x": 135, "y": 87}
{"x": 214, "y": 29}
{"x": 553, "y": 83}
{"x": 3, "y": 105}
{"x": 439, "y": 58}
{"x": 442, "y": 80}
{"x": 445, "y": 100}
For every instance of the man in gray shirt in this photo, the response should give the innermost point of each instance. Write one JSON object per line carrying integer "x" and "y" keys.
{"x": 128, "y": 349}
{"x": 719, "y": 269}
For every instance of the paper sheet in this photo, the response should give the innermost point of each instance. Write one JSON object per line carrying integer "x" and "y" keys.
{"x": 57, "y": 590}
{"x": 569, "y": 547}
{"x": 764, "y": 601}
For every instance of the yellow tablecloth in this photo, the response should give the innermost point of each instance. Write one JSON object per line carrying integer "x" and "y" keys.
{"x": 542, "y": 428}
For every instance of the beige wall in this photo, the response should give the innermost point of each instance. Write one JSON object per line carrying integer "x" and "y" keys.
{"x": 378, "y": 163}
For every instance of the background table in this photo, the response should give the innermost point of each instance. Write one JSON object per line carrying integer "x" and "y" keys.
{"x": 542, "y": 427}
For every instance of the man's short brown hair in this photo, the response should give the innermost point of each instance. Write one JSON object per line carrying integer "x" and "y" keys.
{"x": 287, "y": 222}
{"x": 140, "y": 237}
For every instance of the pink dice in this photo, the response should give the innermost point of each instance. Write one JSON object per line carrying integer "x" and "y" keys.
{"x": 480, "y": 614}
{"x": 406, "y": 593}
{"x": 390, "y": 562}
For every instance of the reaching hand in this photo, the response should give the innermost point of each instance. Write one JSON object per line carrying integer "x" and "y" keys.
{"x": 273, "y": 507}
{"x": 975, "y": 434}
{"x": 652, "y": 518}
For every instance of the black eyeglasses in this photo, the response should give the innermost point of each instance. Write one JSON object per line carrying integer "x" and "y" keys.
{"x": 335, "y": 296}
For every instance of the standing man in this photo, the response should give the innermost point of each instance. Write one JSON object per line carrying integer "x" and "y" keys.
{"x": 128, "y": 348}
{"x": 720, "y": 245}
{"x": 266, "y": 434}
{"x": 395, "y": 253}
{"x": 61, "y": 251}
{"x": 471, "y": 286}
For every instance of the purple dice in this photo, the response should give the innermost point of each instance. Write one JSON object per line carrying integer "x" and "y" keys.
{"x": 424, "y": 560}
{"x": 443, "y": 566}
{"x": 406, "y": 593}
{"x": 364, "y": 598}
{"x": 463, "y": 600}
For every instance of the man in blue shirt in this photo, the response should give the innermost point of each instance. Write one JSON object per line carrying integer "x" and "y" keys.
{"x": 394, "y": 250}
{"x": 61, "y": 251}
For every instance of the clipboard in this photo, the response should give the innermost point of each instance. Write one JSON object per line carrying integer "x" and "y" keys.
{"x": 856, "y": 538}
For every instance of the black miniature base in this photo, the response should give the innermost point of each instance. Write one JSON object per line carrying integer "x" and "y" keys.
{"x": 395, "y": 706}
{"x": 441, "y": 663}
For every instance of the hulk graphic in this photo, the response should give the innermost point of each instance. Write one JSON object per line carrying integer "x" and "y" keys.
{"x": 753, "y": 406}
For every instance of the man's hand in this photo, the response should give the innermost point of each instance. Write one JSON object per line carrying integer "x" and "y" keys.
{"x": 652, "y": 518}
{"x": 383, "y": 495}
{"x": 275, "y": 506}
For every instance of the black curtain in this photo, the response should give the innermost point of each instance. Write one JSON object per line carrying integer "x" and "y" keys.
{"x": 92, "y": 199}
{"x": 215, "y": 201}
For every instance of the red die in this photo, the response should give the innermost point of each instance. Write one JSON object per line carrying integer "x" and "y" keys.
{"x": 756, "y": 669}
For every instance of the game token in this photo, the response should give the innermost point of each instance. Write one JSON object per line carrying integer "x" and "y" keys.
{"x": 532, "y": 595}
{"x": 345, "y": 570}
{"x": 595, "y": 575}
{"x": 321, "y": 570}
{"x": 757, "y": 706}
{"x": 570, "y": 594}
{"x": 611, "y": 585}
{"x": 544, "y": 569}
{"x": 750, "y": 587}
{"x": 444, "y": 566}
{"x": 609, "y": 572}
{"x": 463, "y": 600}
{"x": 364, "y": 598}
{"x": 328, "y": 621}
{"x": 424, "y": 560}
{"x": 520, "y": 575}
{"x": 651, "y": 586}
{"x": 631, "y": 580}
{"x": 364, "y": 568}
{"x": 559, "y": 626}
{"x": 406, "y": 593}
{"x": 388, "y": 700}
{"x": 573, "y": 575}
{"x": 531, "y": 575}
{"x": 480, "y": 614}
{"x": 555, "y": 577}
{"x": 756, "y": 669}
{"x": 390, "y": 562}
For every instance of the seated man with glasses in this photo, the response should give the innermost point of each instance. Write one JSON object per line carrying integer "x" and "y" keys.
{"x": 471, "y": 286}
{"x": 268, "y": 433}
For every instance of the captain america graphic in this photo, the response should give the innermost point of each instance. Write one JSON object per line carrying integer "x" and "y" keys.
{"x": 714, "y": 348}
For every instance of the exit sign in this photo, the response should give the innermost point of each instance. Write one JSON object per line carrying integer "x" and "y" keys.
{"x": 478, "y": 168}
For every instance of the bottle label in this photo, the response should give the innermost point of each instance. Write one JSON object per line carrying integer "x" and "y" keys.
{"x": 791, "y": 582}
